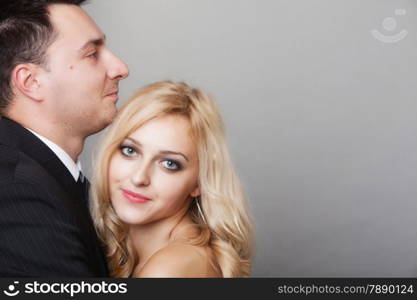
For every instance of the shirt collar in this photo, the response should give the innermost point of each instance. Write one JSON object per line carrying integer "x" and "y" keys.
{"x": 73, "y": 167}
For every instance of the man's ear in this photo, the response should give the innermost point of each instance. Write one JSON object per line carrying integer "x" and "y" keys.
{"x": 26, "y": 80}
{"x": 196, "y": 192}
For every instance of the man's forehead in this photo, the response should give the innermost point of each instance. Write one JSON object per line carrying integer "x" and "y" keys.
{"x": 73, "y": 22}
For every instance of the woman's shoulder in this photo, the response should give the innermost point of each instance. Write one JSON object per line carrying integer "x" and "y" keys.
{"x": 179, "y": 260}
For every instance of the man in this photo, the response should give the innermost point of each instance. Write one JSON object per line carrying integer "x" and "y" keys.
{"x": 58, "y": 85}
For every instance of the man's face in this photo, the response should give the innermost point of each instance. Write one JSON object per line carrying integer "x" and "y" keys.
{"x": 81, "y": 81}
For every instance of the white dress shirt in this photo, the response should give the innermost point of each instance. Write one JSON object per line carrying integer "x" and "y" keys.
{"x": 73, "y": 167}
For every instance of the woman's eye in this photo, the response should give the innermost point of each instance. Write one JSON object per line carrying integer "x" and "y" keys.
{"x": 171, "y": 165}
{"x": 127, "y": 151}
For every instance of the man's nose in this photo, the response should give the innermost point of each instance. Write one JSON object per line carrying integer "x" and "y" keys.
{"x": 117, "y": 69}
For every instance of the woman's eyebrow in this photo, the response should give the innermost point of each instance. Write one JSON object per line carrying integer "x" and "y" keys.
{"x": 175, "y": 153}
{"x": 136, "y": 142}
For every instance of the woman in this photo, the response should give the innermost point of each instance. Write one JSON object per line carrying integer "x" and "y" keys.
{"x": 166, "y": 200}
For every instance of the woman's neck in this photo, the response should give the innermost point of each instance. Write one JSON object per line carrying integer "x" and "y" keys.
{"x": 149, "y": 238}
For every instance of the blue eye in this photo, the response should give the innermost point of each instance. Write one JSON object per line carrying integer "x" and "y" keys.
{"x": 127, "y": 151}
{"x": 171, "y": 165}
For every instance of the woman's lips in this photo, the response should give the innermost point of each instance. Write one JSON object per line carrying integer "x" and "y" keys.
{"x": 134, "y": 197}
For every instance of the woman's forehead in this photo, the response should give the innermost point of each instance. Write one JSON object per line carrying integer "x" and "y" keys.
{"x": 166, "y": 133}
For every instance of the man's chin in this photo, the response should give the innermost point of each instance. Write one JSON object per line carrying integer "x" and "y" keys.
{"x": 101, "y": 124}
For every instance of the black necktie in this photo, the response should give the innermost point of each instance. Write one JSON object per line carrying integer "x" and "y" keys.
{"x": 83, "y": 186}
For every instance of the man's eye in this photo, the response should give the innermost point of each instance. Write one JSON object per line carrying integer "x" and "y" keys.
{"x": 127, "y": 151}
{"x": 93, "y": 55}
{"x": 171, "y": 165}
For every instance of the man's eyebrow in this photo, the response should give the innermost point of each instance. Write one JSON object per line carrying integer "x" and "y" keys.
{"x": 161, "y": 152}
{"x": 93, "y": 42}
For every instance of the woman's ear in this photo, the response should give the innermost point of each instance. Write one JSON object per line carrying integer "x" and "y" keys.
{"x": 196, "y": 192}
{"x": 25, "y": 80}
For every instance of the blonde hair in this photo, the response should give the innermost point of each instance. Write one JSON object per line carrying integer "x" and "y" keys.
{"x": 228, "y": 231}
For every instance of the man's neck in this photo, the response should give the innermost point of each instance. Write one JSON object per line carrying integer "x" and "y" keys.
{"x": 72, "y": 145}
{"x": 64, "y": 138}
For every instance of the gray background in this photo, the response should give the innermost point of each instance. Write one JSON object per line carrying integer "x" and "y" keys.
{"x": 321, "y": 118}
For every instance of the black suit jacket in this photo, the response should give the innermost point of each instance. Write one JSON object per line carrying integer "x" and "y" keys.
{"x": 45, "y": 226}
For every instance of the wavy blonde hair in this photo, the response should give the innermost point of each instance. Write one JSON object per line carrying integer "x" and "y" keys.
{"x": 228, "y": 231}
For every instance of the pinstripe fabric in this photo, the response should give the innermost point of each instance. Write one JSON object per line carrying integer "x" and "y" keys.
{"x": 45, "y": 226}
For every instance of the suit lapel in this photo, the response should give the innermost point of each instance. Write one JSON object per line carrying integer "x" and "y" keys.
{"x": 13, "y": 134}
{"x": 16, "y": 136}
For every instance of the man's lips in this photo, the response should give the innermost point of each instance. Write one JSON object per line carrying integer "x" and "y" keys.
{"x": 114, "y": 94}
{"x": 134, "y": 197}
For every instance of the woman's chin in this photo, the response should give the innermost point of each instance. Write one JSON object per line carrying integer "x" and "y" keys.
{"x": 130, "y": 218}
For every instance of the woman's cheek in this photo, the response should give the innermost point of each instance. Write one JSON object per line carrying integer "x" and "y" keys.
{"x": 174, "y": 189}
{"x": 118, "y": 168}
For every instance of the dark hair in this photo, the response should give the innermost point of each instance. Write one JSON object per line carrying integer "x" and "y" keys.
{"x": 25, "y": 34}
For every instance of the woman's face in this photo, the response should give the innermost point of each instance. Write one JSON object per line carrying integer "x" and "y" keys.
{"x": 154, "y": 173}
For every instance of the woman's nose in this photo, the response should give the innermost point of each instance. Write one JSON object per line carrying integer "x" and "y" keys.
{"x": 140, "y": 175}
